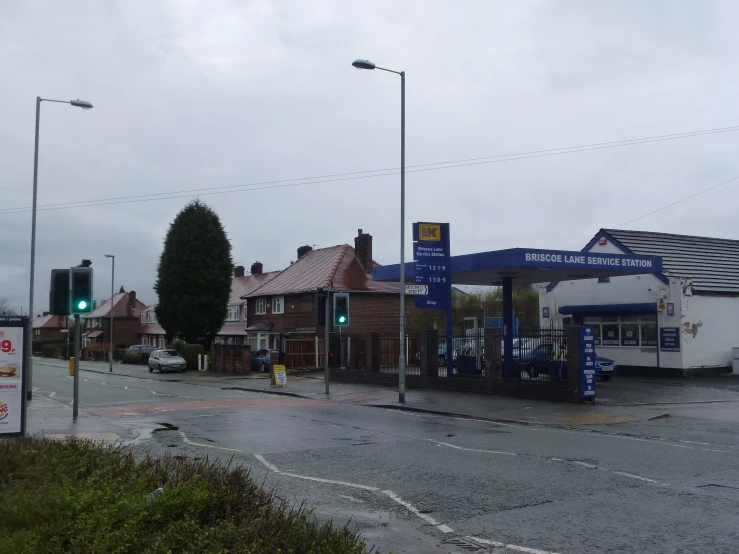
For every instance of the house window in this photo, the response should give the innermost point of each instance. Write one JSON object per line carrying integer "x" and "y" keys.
{"x": 234, "y": 313}
{"x": 143, "y": 317}
{"x": 278, "y": 304}
{"x": 260, "y": 308}
{"x": 152, "y": 317}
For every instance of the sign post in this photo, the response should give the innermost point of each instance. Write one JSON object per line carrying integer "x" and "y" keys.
{"x": 77, "y": 340}
{"x": 587, "y": 362}
{"x": 432, "y": 252}
{"x": 13, "y": 377}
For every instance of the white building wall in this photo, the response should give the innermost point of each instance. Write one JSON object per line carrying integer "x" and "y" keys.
{"x": 709, "y": 328}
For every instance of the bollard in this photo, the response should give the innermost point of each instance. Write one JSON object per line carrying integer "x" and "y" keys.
{"x": 71, "y": 366}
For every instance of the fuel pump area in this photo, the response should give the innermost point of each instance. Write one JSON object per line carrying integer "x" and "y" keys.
{"x": 546, "y": 362}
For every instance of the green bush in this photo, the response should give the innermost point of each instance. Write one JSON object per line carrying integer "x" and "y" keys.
{"x": 130, "y": 357}
{"x": 118, "y": 353}
{"x": 77, "y": 497}
{"x": 190, "y": 352}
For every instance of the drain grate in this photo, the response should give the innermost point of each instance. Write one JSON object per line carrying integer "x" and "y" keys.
{"x": 467, "y": 545}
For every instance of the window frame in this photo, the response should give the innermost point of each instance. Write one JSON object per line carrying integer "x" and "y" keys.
{"x": 278, "y": 300}
{"x": 260, "y": 306}
{"x": 152, "y": 317}
{"x": 233, "y": 313}
{"x": 143, "y": 317}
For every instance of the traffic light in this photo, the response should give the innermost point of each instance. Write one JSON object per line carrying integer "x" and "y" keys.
{"x": 81, "y": 295}
{"x": 341, "y": 309}
{"x": 59, "y": 292}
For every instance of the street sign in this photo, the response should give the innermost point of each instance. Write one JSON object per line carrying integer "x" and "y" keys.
{"x": 415, "y": 290}
{"x": 13, "y": 334}
{"x": 431, "y": 252}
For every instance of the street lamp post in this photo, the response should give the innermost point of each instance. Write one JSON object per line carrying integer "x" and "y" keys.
{"x": 112, "y": 294}
{"x": 21, "y": 310}
{"x": 365, "y": 64}
{"x": 78, "y": 104}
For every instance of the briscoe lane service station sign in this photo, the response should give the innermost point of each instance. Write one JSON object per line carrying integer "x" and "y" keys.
{"x": 588, "y": 260}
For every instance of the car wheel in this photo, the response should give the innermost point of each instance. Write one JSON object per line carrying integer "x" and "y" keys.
{"x": 606, "y": 377}
{"x": 262, "y": 368}
{"x": 532, "y": 371}
{"x": 183, "y": 370}
{"x": 151, "y": 369}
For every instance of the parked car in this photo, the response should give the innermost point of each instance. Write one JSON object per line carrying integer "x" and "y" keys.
{"x": 261, "y": 360}
{"x": 539, "y": 358}
{"x": 166, "y": 360}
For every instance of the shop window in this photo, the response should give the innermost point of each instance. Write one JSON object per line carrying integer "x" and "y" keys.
{"x": 630, "y": 331}
{"x": 610, "y": 335}
{"x": 649, "y": 330}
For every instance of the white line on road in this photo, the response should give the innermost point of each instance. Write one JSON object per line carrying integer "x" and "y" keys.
{"x": 411, "y": 508}
{"x": 34, "y": 389}
{"x": 714, "y": 450}
{"x": 272, "y": 467}
{"x": 188, "y": 441}
{"x": 472, "y": 449}
{"x": 510, "y": 546}
{"x": 52, "y": 395}
{"x": 634, "y": 476}
{"x": 591, "y": 466}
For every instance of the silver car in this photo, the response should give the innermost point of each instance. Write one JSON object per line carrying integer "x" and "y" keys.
{"x": 166, "y": 360}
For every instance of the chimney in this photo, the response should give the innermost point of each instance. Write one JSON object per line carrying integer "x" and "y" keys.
{"x": 256, "y": 268}
{"x": 363, "y": 250}
{"x": 239, "y": 271}
{"x": 131, "y": 304}
{"x": 303, "y": 250}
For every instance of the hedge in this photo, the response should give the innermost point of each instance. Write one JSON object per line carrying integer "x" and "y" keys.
{"x": 76, "y": 497}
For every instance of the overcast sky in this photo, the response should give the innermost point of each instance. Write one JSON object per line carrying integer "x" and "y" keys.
{"x": 203, "y": 94}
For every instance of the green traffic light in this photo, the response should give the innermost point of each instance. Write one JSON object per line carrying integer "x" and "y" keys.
{"x": 81, "y": 305}
{"x": 342, "y": 319}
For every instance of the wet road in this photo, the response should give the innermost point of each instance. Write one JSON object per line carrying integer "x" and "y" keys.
{"x": 414, "y": 481}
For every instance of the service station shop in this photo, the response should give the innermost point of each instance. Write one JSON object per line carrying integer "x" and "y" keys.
{"x": 523, "y": 266}
{"x": 678, "y": 319}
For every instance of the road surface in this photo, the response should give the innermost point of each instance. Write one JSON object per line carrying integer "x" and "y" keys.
{"x": 430, "y": 483}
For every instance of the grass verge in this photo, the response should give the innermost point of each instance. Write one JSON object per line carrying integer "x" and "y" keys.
{"x": 77, "y": 497}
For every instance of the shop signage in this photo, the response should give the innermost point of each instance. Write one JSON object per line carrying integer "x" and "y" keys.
{"x": 432, "y": 253}
{"x": 669, "y": 339}
{"x": 670, "y": 309}
{"x": 12, "y": 393}
{"x": 587, "y": 362}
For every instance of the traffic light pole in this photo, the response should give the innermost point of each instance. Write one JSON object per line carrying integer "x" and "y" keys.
{"x": 77, "y": 339}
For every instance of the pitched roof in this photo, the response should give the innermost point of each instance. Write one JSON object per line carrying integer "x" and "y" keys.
{"x": 243, "y": 286}
{"x": 50, "y": 322}
{"x": 120, "y": 307}
{"x": 712, "y": 264}
{"x": 321, "y": 268}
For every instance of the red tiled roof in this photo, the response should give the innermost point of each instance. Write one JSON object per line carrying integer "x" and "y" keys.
{"x": 243, "y": 286}
{"x": 319, "y": 269}
{"x": 50, "y": 322}
{"x": 120, "y": 307}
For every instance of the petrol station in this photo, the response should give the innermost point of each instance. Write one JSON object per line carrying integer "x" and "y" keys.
{"x": 436, "y": 267}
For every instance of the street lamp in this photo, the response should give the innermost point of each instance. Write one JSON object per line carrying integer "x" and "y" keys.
{"x": 112, "y": 294}
{"x": 78, "y": 104}
{"x": 366, "y": 64}
{"x": 21, "y": 310}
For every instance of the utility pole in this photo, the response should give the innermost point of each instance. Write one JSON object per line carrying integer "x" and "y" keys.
{"x": 77, "y": 338}
{"x": 326, "y": 369}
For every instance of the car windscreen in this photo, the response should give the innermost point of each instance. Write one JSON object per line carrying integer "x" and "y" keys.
{"x": 170, "y": 354}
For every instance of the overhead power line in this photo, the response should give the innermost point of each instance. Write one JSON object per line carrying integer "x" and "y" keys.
{"x": 679, "y": 201}
{"x": 356, "y": 175}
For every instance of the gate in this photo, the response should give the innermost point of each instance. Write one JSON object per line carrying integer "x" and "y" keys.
{"x": 300, "y": 353}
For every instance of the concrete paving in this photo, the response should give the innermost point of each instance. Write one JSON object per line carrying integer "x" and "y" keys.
{"x": 411, "y": 481}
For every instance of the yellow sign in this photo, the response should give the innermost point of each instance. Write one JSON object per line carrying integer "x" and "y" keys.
{"x": 279, "y": 376}
{"x": 429, "y": 232}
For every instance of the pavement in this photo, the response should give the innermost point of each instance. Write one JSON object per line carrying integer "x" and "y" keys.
{"x": 447, "y": 472}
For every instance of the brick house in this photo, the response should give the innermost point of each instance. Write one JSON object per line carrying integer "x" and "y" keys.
{"x": 126, "y": 320}
{"x": 51, "y": 327}
{"x": 292, "y": 304}
{"x": 234, "y": 328}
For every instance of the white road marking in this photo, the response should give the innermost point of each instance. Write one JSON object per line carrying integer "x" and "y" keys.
{"x": 188, "y": 441}
{"x": 411, "y": 508}
{"x": 634, "y": 476}
{"x": 591, "y": 466}
{"x": 696, "y": 442}
{"x": 472, "y": 449}
{"x": 510, "y": 546}
{"x": 34, "y": 389}
{"x": 714, "y": 450}
{"x": 52, "y": 395}
{"x": 272, "y": 467}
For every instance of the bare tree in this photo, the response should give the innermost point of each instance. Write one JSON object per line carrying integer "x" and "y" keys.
{"x": 5, "y": 308}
